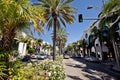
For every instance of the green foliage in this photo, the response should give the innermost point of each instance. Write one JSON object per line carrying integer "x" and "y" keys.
{"x": 31, "y": 50}
{"x": 2, "y": 69}
{"x": 20, "y": 71}
{"x": 48, "y": 70}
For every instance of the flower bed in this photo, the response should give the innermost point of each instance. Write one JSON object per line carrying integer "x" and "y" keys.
{"x": 48, "y": 70}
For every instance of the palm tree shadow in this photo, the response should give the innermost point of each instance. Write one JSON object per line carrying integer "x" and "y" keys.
{"x": 74, "y": 77}
{"x": 96, "y": 67}
{"x": 91, "y": 77}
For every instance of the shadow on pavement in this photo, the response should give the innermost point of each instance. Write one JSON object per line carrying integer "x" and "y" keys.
{"x": 74, "y": 77}
{"x": 91, "y": 77}
{"x": 95, "y": 67}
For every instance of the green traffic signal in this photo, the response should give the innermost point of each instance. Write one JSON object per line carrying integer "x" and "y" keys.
{"x": 80, "y": 18}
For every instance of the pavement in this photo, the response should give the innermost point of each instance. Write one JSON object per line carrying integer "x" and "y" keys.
{"x": 109, "y": 63}
{"x": 80, "y": 69}
{"x": 113, "y": 66}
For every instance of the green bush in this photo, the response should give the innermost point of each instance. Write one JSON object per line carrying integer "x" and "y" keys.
{"x": 2, "y": 69}
{"x": 31, "y": 50}
{"x": 48, "y": 70}
{"x": 19, "y": 71}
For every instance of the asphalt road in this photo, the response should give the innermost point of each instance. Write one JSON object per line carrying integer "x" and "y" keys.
{"x": 79, "y": 69}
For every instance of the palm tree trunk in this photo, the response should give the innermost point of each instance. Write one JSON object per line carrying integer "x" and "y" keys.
{"x": 54, "y": 39}
{"x": 60, "y": 48}
{"x": 7, "y": 41}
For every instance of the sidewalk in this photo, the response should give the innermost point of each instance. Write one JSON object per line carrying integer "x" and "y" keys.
{"x": 79, "y": 69}
{"x": 112, "y": 65}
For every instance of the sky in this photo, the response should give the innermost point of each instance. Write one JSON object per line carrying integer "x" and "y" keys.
{"x": 76, "y": 29}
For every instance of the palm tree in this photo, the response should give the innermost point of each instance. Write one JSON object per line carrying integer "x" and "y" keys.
{"x": 15, "y": 15}
{"x": 111, "y": 6}
{"x": 57, "y": 12}
{"x": 111, "y": 10}
{"x": 61, "y": 38}
{"x": 79, "y": 45}
{"x": 111, "y": 14}
{"x": 40, "y": 40}
{"x": 95, "y": 34}
{"x": 70, "y": 48}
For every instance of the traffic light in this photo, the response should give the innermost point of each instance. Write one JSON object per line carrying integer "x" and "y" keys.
{"x": 117, "y": 37}
{"x": 80, "y": 18}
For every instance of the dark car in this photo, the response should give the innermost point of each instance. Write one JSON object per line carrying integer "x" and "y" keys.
{"x": 26, "y": 58}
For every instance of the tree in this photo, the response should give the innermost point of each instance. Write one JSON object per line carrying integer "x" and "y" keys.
{"x": 15, "y": 15}
{"x": 61, "y": 38}
{"x": 58, "y": 12}
{"x": 110, "y": 12}
{"x": 96, "y": 33}
{"x": 111, "y": 6}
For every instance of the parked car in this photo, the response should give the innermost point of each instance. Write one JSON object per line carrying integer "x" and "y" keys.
{"x": 66, "y": 56}
{"x": 42, "y": 56}
{"x": 92, "y": 59}
{"x": 26, "y": 58}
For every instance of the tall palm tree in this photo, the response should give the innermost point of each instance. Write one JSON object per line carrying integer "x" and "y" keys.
{"x": 112, "y": 12}
{"x": 61, "y": 38}
{"x": 58, "y": 12}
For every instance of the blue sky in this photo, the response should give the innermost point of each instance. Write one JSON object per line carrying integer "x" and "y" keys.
{"x": 76, "y": 29}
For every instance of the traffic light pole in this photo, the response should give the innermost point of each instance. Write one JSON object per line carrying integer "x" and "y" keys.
{"x": 91, "y": 19}
{"x": 80, "y": 18}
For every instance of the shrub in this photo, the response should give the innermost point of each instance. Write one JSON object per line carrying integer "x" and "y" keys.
{"x": 20, "y": 71}
{"x": 31, "y": 50}
{"x": 2, "y": 69}
{"x": 54, "y": 69}
{"x": 48, "y": 70}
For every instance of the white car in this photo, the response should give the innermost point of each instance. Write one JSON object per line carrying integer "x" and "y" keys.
{"x": 66, "y": 56}
{"x": 92, "y": 59}
{"x": 42, "y": 56}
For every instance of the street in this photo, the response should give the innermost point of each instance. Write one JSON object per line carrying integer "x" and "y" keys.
{"x": 79, "y": 69}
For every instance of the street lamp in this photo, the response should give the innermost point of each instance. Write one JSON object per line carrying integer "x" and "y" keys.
{"x": 91, "y": 6}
